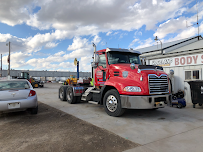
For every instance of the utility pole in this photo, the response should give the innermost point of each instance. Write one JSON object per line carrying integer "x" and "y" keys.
{"x": 9, "y": 44}
{"x": 1, "y": 65}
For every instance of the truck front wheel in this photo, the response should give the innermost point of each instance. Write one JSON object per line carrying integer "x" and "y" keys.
{"x": 112, "y": 103}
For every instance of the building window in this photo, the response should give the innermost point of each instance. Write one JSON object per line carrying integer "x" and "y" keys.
{"x": 192, "y": 75}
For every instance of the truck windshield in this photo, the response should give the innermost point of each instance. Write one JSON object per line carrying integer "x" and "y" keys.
{"x": 123, "y": 57}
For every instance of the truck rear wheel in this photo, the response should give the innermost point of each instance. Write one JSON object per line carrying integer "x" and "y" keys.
{"x": 62, "y": 93}
{"x": 70, "y": 96}
{"x": 112, "y": 103}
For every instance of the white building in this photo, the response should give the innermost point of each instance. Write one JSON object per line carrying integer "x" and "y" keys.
{"x": 185, "y": 57}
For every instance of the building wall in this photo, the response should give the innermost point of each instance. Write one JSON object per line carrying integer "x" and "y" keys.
{"x": 16, "y": 73}
{"x": 179, "y": 77}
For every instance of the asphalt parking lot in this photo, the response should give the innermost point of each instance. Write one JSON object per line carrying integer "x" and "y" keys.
{"x": 54, "y": 130}
{"x": 167, "y": 129}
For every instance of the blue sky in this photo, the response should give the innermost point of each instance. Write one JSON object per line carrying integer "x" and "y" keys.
{"x": 49, "y": 35}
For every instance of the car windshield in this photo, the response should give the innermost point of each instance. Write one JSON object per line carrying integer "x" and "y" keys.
{"x": 123, "y": 57}
{"x": 9, "y": 85}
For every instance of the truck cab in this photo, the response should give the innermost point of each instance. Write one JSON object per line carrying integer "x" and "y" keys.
{"x": 135, "y": 86}
{"x": 121, "y": 82}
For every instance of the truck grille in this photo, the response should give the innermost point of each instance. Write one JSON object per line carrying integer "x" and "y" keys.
{"x": 158, "y": 84}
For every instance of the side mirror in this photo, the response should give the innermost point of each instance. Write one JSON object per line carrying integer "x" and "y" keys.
{"x": 95, "y": 61}
{"x": 94, "y": 65}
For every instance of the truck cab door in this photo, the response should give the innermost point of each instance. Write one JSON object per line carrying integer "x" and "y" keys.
{"x": 100, "y": 73}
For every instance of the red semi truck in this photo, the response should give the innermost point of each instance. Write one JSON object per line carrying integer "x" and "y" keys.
{"x": 121, "y": 82}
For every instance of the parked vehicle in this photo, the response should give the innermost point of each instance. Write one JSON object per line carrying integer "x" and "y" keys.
{"x": 35, "y": 83}
{"x": 17, "y": 95}
{"x": 120, "y": 82}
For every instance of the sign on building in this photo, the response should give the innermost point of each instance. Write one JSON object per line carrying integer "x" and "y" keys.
{"x": 179, "y": 61}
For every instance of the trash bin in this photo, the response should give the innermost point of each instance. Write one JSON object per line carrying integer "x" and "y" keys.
{"x": 196, "y": 92}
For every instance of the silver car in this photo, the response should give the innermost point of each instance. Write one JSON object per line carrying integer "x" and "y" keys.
{"x": 17, "y": 95}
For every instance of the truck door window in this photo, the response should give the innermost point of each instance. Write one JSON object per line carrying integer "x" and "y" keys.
{"x": 102, "y": 60}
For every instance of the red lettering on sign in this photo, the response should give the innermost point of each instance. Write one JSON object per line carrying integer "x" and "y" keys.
{"x": 176, "y": 61}
{"x": 195, "y": 59}
{"x": 202, "y": 58}
{"x": 189, "y": 60}
{"x": 182, "y": 61}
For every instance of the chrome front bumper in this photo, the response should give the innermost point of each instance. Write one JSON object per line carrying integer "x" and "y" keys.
{"x": 144, "y": 102}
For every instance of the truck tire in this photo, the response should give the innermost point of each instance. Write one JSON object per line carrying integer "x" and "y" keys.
{"x": 112, "y": 103}
{"x": 62, "y": 93}
{"x": 78, "y": 98}
{"x": 70, "y": 96}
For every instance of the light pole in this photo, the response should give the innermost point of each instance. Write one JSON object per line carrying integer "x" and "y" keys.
{"x": 1, "y": 65}
{"x": 8, "y": 44}
{"x": 156, "y": 39}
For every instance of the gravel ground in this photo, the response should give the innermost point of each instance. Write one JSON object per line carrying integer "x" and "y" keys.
{"x": 54, "y": 130}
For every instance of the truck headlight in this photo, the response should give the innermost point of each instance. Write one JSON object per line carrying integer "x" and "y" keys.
{"x": 132, "y": 89}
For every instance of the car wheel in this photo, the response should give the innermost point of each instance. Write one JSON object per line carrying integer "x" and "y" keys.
{"x": 62, "y": 93}
{"x": 112, "y": 103}
{"x": 179, "y": 106}
{"x": 200, "y": 104}
{"x": 34, "y": 111}
{"x": 70, "y": 96}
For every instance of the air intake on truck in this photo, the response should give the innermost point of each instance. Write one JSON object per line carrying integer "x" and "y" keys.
{"x": 158, "y": 84}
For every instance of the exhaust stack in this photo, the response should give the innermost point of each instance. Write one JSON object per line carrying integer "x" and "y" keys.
{"x": 94, "y": 60}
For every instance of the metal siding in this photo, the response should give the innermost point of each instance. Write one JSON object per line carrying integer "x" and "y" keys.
{"x": 193, "y": 45}
{"x": 16, "y": 73}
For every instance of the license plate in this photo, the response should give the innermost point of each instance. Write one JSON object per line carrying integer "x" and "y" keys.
{"x": 14, "y": 105}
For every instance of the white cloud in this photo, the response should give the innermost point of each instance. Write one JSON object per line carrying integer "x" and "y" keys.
{"x": 154, "y": 2}
{"x": 148, "y": 42}
{"x": 108, "y": 33}
{"x": 14, "y": 12}
{"x": 76, "y": 18}
{"x": 176, "y": 26}
{"x": 17, "y": 59}
{"x": 189, "y": 32}
{"x": 31, "y": 44}
{"x": 77, "y": 43}
{"x": 81, "y": 49}
{"x": 133, "y": 42}
{"x": 50, "y": 45}
{"x": 90, "y": 17}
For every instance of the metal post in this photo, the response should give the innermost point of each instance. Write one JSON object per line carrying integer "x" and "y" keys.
{"x": 1, "y": 65}
{"x": 161, "y": 47}
{"x": 9, "y": 56}
{"x": 156, "y": 39}
{"x": 9, "y": 53}
{"x": 78, "y": 69}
